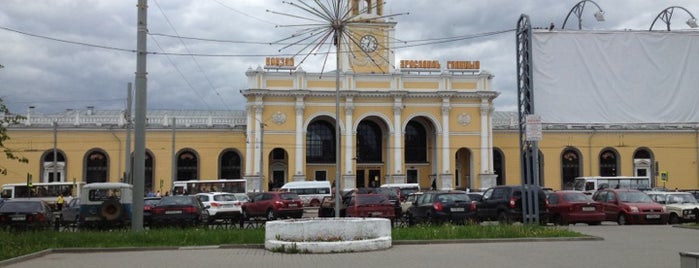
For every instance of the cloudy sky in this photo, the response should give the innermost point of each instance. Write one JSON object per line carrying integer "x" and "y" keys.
{"x": 68, "y": 54}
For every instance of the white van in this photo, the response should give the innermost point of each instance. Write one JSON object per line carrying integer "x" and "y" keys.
{"x": 311, "y": 192}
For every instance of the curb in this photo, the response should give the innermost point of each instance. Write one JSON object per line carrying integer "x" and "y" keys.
{"x": 45, "y": 252}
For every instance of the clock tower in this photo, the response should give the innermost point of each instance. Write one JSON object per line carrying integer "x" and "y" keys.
{"x": 370, "y": 38}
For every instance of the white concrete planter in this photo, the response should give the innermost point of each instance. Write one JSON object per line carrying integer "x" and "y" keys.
{"x": 328, "y": 235}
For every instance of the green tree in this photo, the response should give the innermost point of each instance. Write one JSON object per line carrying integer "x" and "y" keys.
{"x": 6, "y": 119}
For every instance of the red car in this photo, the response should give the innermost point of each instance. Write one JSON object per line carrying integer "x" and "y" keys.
{"x": 370, "y": 205}
{"x": 626, "y": 206}
{"x": 273, "y": 205}
{"x": 566, "y": 207}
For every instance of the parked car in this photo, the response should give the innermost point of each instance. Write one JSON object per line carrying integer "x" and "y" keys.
{"x": 221, "y": 205}
{"x": 571, "y": 207}
{"x": 504, "y": 204}
{"x": 369, "y": 205}
{"x": 409, "y": 200}
{"x": 148, "y": 204}
{"x": 273, "y": 205}
{"x": 106, "y": 205}
{"x": 391, "y": 193}
{"x": 681, "y": 206}
{"x": 25, "y": 215}
{"x": 70, "y": 213}
{"x": 475, "y": 196}
{"x": 179, "y": 210}
{"x": 628, "y": 206}
{"x": 404, "y": 189}
{"x": 442, "y": 206}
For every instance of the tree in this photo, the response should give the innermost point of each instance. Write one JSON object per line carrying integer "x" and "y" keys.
{"x": 6, "y": 118}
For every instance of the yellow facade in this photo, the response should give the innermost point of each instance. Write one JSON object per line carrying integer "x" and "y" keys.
{"x": 431, "y": 122}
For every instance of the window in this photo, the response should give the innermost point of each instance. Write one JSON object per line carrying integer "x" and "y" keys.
{"x": 320, "y": 143}
{"x": 608, "y": 164}
{"x": 187, "y": 164}
{"x": 415, "y": 143}
{"x": 570, "y": 168}
{"x": 96, "y": 167}
{"x": 369, "y": 145}
{"x": 412, "y": 176}
{"x": 321, "y": 175}
{"x": 230, "y": 165}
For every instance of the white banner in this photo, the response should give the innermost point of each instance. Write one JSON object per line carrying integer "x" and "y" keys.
{"x": 616, "y": 77}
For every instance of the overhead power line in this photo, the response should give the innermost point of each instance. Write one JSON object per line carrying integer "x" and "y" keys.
{"x": 406, "y": 44}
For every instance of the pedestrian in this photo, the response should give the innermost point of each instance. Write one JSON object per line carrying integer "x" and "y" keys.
{"x": 59, "y": 202}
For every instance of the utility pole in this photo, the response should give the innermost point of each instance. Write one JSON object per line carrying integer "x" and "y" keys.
{"x": 55, "y": 152}
{"x": 140, "y": 118}
{"x": 127, "y": 115}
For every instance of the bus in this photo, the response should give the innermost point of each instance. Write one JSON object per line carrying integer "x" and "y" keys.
{"x": 192, "y": 187}
{"x": 311, "y": 192}
{"x": 47, "y": 191}
{"x": 589, "y": 185}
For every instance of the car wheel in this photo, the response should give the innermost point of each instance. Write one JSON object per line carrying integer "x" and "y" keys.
{"x": 622, "y": 220}
{"x": 503, "y": 218}
{"x": 270, "y": 215}
{"x": 674, "y": 219}
{"x": 315, "y": 203}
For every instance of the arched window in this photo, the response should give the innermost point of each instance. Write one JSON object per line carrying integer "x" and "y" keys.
{"x": 229, "y": 165}
{"x": 369, "y": 145}
{"x": 96, "y": 167}
{"x": 608, "y": 163}
{"x": 148, "y": 179}
{"x": 320, "y": 142}
{"x": 570, "y": 168}
{"x": 53, "y": 171}
{"x": 187, "y": 166}
{"x": 415, "y": 143}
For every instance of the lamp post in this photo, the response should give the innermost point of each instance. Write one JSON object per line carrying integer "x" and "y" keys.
{"x": 666, "y": 16}
{"x": 578, "y": 9}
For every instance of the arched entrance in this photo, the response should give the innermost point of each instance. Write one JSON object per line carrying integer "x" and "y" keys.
{"x": 464, "y": 166}
{"x": 278, "y": 168}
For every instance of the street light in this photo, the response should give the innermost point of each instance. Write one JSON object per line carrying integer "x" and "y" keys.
{"x": 666, "y": 16}
{"x": 578, "y": 9}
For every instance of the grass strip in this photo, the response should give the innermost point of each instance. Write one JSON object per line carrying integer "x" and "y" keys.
{"x": 16, "y": 244}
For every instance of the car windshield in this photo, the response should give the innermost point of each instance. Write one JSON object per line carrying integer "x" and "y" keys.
{"x": 151, "y": 202}
{"x": 634, "y": 197}
{"x": 20, "y": 207}
{"x": 453, "y": 198}
{"x": 681, "y": 199}
{"x": 368, "y": 199}
{"x": 288, "y": 196}
{"x": 576, "y": 197}
{"x": 176, "y": 200}
{"x": 224, "y": 197}
{"x": 242, "y": 197}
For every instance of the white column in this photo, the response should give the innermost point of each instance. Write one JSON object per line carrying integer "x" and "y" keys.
{"x": 349, "y": 147}
{"x": 397, "y": 136}
{"x": 446, "y": 155}
{"x": 490, "y": 139}
{"x": 298, "y": 163}
{"x": 258, "y": 138}
{"x": 248, "y": 143}
{"x": 485, "y": 154}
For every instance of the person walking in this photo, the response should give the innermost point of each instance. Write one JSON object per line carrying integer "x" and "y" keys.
{"x": 59, "y": 202}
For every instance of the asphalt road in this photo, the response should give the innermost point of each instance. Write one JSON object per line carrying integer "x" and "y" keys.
{"x": 622, "y": 246}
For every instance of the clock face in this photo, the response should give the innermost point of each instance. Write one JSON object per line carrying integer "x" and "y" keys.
{"x": 368, "y": 43}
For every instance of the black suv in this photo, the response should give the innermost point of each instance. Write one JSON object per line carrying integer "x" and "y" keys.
{"x": 504, "y": 204}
